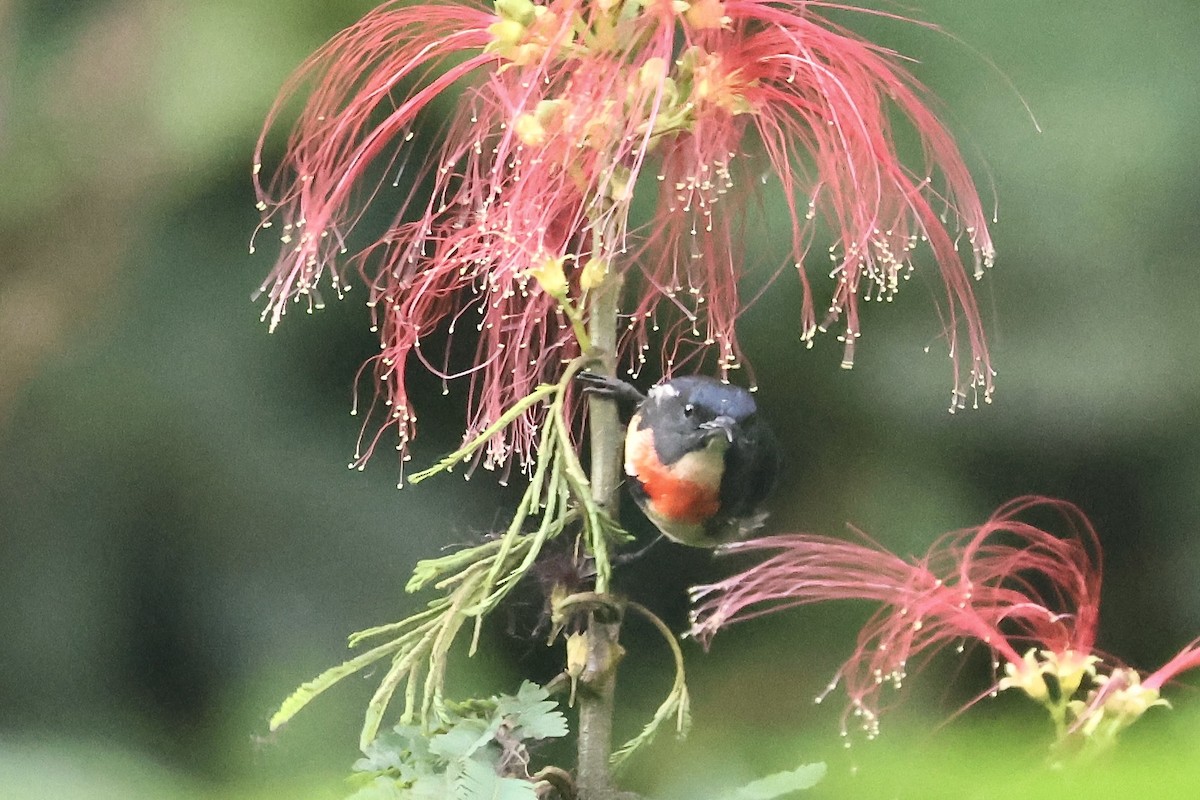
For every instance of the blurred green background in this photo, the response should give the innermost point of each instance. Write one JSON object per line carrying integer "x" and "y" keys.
{"x": 181, "y": 544}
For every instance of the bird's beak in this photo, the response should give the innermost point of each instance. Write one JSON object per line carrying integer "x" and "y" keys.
{"x": 723, "y": 425}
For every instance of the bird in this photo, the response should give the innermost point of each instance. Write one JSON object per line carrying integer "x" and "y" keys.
{"x": 700, "y": 459}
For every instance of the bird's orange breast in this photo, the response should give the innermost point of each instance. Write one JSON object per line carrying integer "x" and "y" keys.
{"x": 680, "y": 492}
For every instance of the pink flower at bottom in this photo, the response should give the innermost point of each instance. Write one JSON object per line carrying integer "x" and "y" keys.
{"x": 1123, "y": 695}
{"x": 1007, "y": 584}
{"x": 1186, "y": 659}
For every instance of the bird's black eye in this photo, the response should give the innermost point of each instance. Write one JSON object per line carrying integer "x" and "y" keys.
{"x": 688, "y": 409}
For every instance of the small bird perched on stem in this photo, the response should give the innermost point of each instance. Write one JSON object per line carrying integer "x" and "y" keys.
{"x": 700, "y": 460}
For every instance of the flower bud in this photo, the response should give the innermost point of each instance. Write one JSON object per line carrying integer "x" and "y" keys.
{"x": 530, "y": 130}
{"x": 551, "y": 277}
{"x": 1069, "y": 667}
{"x": 593, "y": 274}
{"x": 548, "y": 111}
{"x": 505, "y": 33}
{"x": 652, "y": 73}
{"x": 619, "y": 188}
{"x": 707, "y": 15}
{"x": 519, "y": 11}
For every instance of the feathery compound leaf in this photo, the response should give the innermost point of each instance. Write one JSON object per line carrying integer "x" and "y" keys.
{"x": 463, "y": 739}
{"x": 473, "y": 582}
{"x": 429, "y": 787}
{"x": 780, "y": 783}
{"x": 309, "y": 691}
{"x": 531, "y": 714}
{"x": 382, "y": 788}
{"x": 478, "y": 781}
{"x": 391, "y": 750}
{"x": 677, "y": 704}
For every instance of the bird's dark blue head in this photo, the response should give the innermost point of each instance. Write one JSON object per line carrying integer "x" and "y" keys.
{"x": 711, "y": 398}
{"x": 688, "y": 411}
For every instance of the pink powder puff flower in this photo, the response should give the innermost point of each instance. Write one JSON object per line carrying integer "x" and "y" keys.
{"x": 1008, "y": 584}
{"x": 564, "y": 110}
{"x": 1124, "y": 695}
{"x": 1185, "y": 660}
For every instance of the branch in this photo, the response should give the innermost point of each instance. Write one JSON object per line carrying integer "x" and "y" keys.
{"x": 594, "y": 777}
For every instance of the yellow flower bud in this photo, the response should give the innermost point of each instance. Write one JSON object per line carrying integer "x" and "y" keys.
{"x": 707, "y": 15}
{"x": 593, "y": 274}
{"x": 529, "y": 130}
{"x": 520, "y": 11}
{"x": 577, "y": 647}
{"x": 551, "y": 277}
{"x": 505, "y": 33}
{"x": 1070, "y": 668}
{"x": 549, "y": 111}
{"x": 619, "y": 189}
{"x": 652, "y": 73}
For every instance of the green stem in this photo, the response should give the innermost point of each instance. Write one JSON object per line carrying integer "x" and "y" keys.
{"x": 507, "y": 418}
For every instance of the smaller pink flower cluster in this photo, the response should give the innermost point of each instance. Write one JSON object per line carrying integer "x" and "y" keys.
{"x": 1030, "y": 597}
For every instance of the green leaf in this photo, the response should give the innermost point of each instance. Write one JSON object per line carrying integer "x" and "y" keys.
{"x": 678, "y": 703}
{"x": 462, "y": 739}
{"x": 478, "y": 781}
{"x": 532, "y": 715}
{"x": 430, "y": 569}
{"x": 447, "y": 463}
{"x": 391, "y": 750}
{"x": 309, "y": 691}
{"x": 429, "y": 787}
{"x": 543, "y": 722}
{"x": 382, "y": 788}
{"x": 780, "y": 783}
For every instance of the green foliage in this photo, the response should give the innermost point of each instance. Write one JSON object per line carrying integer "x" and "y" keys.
{"x": 478, "y": 752}
{"x": 382, "y": 788}
{"x": 474, "y": 581}
{"x": 781, "y": 784}
{"x": 533, "y": 714}
{"x": 677, "y": 703}
{"x": 559, "y": 492}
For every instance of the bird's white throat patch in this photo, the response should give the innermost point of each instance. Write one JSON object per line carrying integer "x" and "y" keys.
{"x": 703, "y": 467}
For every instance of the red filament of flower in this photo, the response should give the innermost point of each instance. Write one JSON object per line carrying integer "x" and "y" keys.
{"x": 564, "y": 110}
{"x": 1007, "y": 584}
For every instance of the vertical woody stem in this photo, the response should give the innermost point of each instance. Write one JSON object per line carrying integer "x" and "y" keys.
{"x": 598, "y": 681}
{"x": 606, "y": 432}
